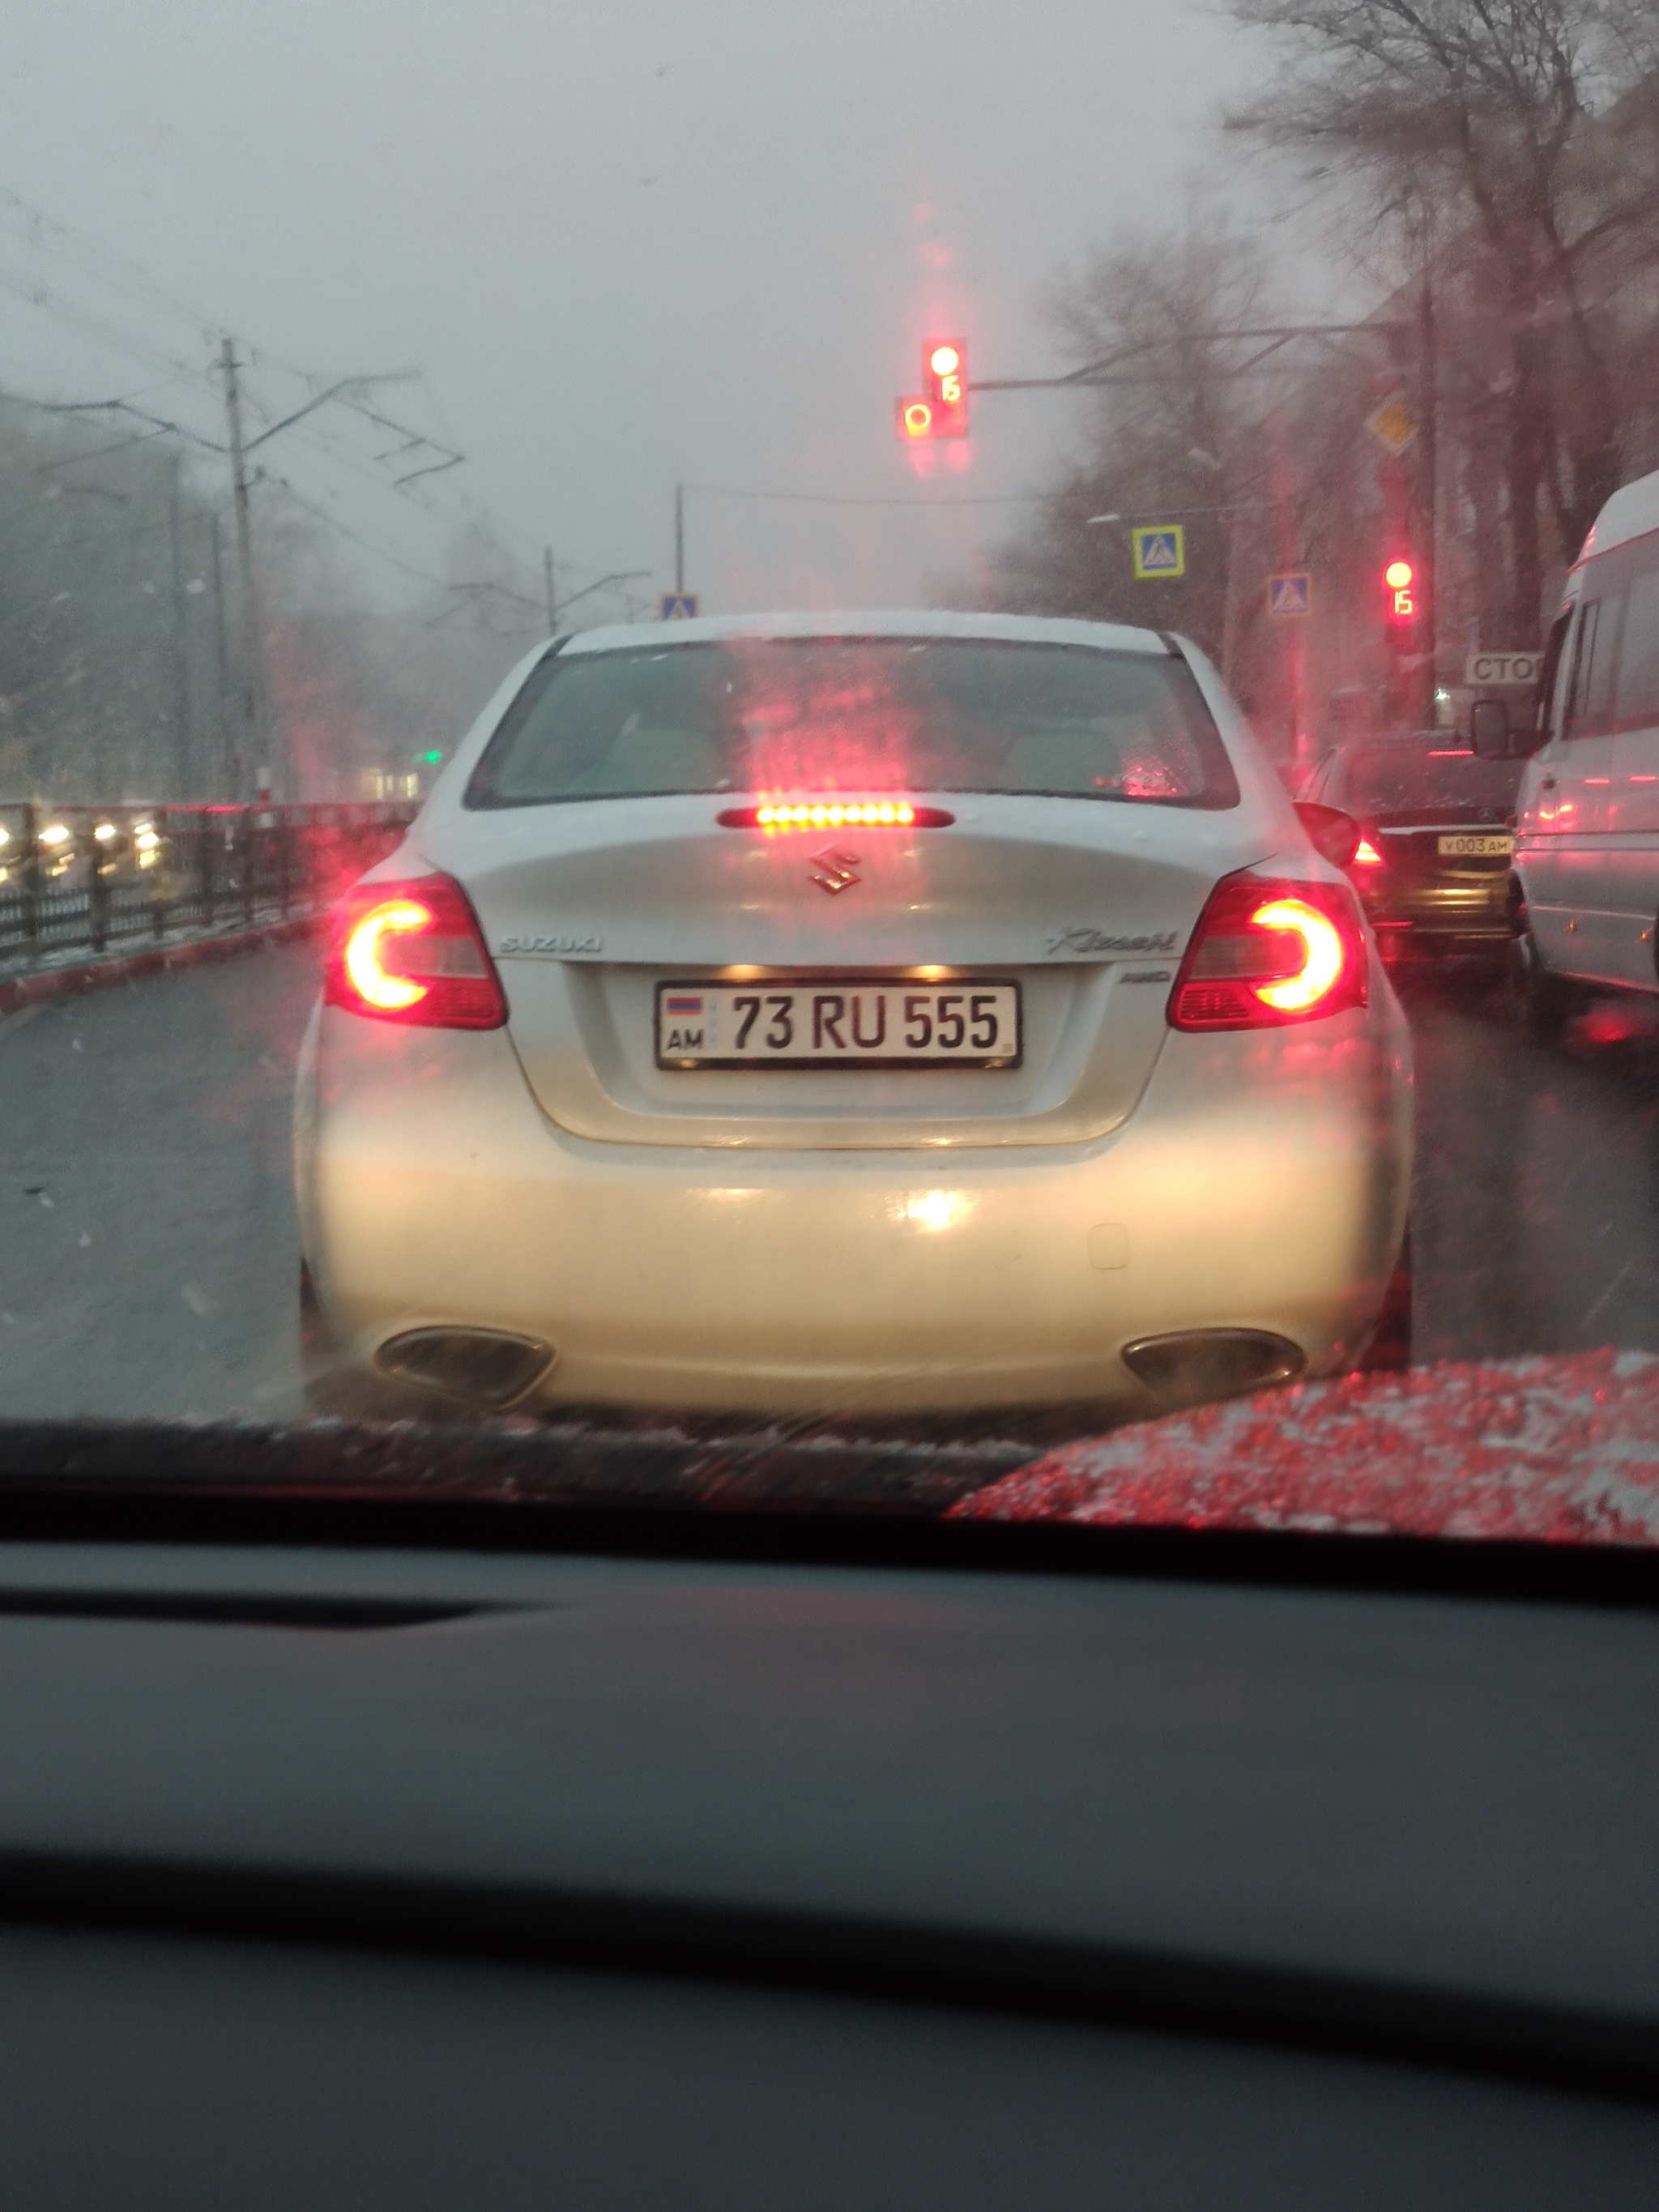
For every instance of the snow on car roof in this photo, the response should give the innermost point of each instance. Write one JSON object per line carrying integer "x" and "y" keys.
{"x": 1023, "y": 629}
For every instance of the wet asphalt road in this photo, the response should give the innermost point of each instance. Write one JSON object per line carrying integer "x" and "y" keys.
{"x": 146, "y": 1231}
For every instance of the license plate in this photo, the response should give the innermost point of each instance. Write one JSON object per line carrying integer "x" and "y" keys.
{"x": 840, "y": 1021}
{"x": 1477, "y": 845}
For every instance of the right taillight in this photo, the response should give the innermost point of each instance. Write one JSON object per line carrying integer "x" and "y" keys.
{"x": 1268, "y": 951}
{"x": 413, "y": 952}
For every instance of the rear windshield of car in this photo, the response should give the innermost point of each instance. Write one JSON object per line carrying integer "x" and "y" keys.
{"x": 1401, "y": 779}
{"x": 773, "y": 716}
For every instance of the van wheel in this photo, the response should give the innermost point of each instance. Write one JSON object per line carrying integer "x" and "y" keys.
{"x": 1544, "y": 1003}
{"x": 1390, "y": 1347}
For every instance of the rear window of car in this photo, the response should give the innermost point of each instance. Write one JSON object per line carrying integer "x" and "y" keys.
{"x": 773, "y": 716}
{"x": 1403, "y": 780}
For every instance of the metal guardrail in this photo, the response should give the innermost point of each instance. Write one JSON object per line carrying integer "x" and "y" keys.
{"x": 88, "y": 877}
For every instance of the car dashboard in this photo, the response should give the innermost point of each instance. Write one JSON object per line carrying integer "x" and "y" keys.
{"x": 597, "y": 1870}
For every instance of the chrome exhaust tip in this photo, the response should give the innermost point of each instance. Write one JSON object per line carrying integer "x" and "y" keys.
{"x": 1201, "y": 1363}
{"x": 485, "y": 1366}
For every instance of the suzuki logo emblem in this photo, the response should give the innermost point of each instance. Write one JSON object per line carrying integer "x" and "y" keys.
{"x": 835, "y": 872}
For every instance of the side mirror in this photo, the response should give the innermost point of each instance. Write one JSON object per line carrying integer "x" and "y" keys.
{"x": 1333, "y": 834}
{"x": 1489, "y": 729}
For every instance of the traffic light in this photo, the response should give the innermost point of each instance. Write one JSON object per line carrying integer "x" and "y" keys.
{"x": 1400, "y": 589}
{"x": 944, "y": 384}
{"x": 941, "y": 409}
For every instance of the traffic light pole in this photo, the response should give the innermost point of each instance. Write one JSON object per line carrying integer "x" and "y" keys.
{"x": 1118, "y": 369}
{"x": 679, "y": 538}
{"x": 1097, "y": 374}
{"x": 1428, "y": 499}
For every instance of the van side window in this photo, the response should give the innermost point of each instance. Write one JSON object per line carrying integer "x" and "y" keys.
{"x": 1549, "y": 700}
{"x": 1591, "y": 699}
{"x": 1636, "y": 703}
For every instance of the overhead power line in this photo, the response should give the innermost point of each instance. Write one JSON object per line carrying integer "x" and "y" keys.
{"x": 849, "y": 499}
{"x": 403, "y": 464}
{"x": 134, "y": 282}
{"x": 343, "y": 530}
{"x": 117, "y": 269}
{"x": 126, "y": 407}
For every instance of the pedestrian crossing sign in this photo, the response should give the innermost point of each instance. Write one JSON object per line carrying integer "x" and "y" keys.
{"x": 1289, "y": 595}
{"x": 1159, "y": 550}
{"x": 677, "y": 606}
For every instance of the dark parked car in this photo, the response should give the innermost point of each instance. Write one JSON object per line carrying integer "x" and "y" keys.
{"x": 1437, "y": 823}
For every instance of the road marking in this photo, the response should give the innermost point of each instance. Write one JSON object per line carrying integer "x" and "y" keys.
{"x": 23, "y": 1014}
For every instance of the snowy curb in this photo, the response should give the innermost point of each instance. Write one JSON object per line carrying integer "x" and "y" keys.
{"x": 47, "y": 983}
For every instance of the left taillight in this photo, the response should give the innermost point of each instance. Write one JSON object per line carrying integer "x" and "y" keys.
{"x": 413, "y": 952}
{"x": 1269, "y": 950}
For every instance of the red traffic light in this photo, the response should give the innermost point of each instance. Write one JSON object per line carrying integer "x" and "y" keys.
{"x": 1399, "y": 580}
{"x": 940, "y": 409}
{"x": 945, "y": 371}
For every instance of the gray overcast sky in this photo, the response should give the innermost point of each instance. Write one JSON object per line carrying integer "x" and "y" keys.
{"x": 627, "y": 242}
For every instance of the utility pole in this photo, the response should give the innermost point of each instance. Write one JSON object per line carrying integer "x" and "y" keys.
{"x": 254, "y": 748}
{"x": 229, "y": 778}
{"x": 547, "y": 579}
{"x": 679, "y": 538}
{"x": 182, "y": 746}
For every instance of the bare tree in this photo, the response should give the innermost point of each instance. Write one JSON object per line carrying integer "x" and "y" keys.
{"x": 1165, "y": 442}
{"x": 1518, "y": 142}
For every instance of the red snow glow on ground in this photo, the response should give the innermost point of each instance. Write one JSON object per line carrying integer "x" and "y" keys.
{"x": 1557, "y": 1449}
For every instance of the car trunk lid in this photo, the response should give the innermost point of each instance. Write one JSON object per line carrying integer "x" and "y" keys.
{"x": 1086, "y": 905}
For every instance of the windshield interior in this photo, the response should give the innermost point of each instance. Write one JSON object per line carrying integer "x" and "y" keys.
{"x": 672, "y": 684}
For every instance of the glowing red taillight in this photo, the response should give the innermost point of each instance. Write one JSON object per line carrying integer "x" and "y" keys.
{"x": 413, "y": 952}
{"x": 1365, "y": 856}
{"x": 1268, "y": 951}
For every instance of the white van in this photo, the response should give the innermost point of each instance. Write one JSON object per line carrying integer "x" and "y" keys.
{"x": 1586, "y": 880}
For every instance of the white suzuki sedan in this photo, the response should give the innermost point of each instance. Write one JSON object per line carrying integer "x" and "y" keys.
{"x": 878, "y": 1013}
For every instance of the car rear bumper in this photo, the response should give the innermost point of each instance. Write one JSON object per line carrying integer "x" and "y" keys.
{"x": 1403, "y": 941}
{"x": 1261, "y": 1185}
{"x": 1433, "y": 920}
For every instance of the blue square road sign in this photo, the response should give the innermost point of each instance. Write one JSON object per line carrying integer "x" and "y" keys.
{"x": 677, "y": 606}
{"x": 1160, "y": 551}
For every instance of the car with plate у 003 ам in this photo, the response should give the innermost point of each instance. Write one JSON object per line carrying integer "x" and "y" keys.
{"x": 1436, "y": 823}
{"x": 890, "y": 1013}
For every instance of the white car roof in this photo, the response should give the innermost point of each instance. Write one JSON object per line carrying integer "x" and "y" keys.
{"x": 1023, "y": 629}
{"x": 1632, "y": 512}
